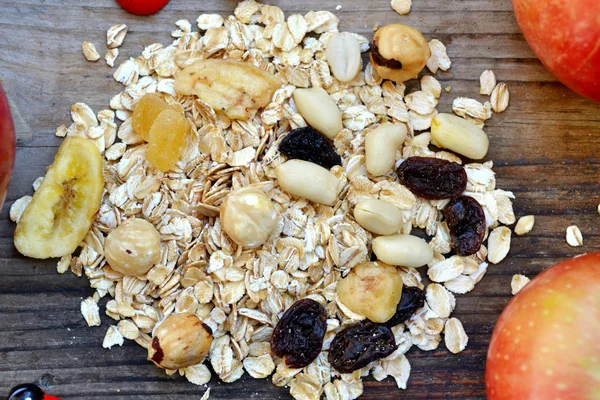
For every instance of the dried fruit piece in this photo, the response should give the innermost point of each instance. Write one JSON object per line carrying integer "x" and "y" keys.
{"x": 236, "y": 88}
{"x": 309, "y": 145}
{"x": 412, "y": 299}
{"x": 167, "y": 139}
{"x": 181, "y": 340}
{"x": 343, "y": 56}
{"x": 145, "y": 113}
{"x": 359, "y": 345}
{"x": 63, "y": 208}
{"x": 372, "y": 289}
{"x": 433, "y": 178}
{"x": 466, "y": 221}
{"x": 298, "y": 336}
{"x": 399, "y": 52}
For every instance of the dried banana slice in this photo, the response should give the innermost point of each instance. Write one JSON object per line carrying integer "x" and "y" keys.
{"x": 236, "y": 88}
{"x": 63, "y": 208}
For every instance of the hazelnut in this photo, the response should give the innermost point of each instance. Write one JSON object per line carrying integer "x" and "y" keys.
{"x": 181, "y": 340}
{"x": 133, "y": 247}
{"x": 399, "y": 52}
{"x": 248, "y": 216}
{"x": 372, "y": 289}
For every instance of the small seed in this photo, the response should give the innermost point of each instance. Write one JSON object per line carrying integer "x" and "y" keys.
{"x": 343, "y": 56}
{"x": 319, "y": 110}
{"x": 381, "y": 145}
{"x": 404, "y": 250}
{"x": 307, "y": 180}
{"x": 378, "y": 216}
{"x": 459, "y": 135}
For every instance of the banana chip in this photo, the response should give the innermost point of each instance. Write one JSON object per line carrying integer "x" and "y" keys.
{"x": 236, "y": 88}
{"x": 63, "y": 208}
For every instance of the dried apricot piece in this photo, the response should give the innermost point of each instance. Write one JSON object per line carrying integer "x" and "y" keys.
{"x": 145, "y": 113}
{"x": 167, "y": 139}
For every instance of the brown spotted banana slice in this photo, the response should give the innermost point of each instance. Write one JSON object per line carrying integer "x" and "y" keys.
{"x": 63, "y": 208}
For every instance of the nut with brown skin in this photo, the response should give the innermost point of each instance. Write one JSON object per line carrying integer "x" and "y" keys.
{"x": 181, "y": 340}
{"x": 399, "y": 52}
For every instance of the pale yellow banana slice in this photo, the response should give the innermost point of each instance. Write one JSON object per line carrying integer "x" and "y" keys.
{"x": 234, "y": 87}
{"x": 63, "y": 208}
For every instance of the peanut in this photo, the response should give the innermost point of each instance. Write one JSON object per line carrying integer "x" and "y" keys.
{"x": 381, "y": 145}
{"x": 404, "y": 250}
{"x": 378, "y": 216}
{"x": 459, "y": 135}
{"x": 343, "y": 56}
{"x": 319, "y": 110}
{"x": 307, "y": 180}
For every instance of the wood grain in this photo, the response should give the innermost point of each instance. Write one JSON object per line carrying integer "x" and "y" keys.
{"x": 544, "y": 148}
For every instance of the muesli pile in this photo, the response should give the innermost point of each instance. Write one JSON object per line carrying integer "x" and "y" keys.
{"x": 257, "y": 172}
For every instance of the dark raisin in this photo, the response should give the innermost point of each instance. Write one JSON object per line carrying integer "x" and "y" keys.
{"x": 412, "y": 299}
{"x": 359, "y": 345}
{"x": 433, "y": 178}
{"x": 309, "y": 145}
{"x": 466, "y": 221}
{"x": 299, "y": 333}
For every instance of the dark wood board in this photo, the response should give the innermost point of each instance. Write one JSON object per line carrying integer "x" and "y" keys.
{"x": 545, "y": 148}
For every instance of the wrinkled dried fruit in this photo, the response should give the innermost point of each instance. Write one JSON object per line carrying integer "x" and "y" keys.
{"x": 412, "y": 299}
{"x": 466, "y": 221}
{"x": 309, "y": 145}
{"x": 433, "y": 178}
{"x": 358, "y": 345}
{"x": 299, "y": 333}
{"x": 167, "y": 139}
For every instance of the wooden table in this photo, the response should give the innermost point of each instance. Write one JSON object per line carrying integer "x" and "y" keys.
{"x": 544, "y": 149}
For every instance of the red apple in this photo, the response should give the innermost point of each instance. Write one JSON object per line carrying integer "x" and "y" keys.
{"x": 565, "y": 35}
{"x": 7, "y": 145}
{"x": 546, "y": 344}
{"x": 142, "y": 7}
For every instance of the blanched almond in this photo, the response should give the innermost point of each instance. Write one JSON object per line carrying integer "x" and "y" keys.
{"x": 307, "y": 180}
{"x": 404, "y": 250}
{"x": 459, "y": 135}
{"x": 378, "y": 216}
{"x": 381, "y": 145}
{"x": 343, "y": 56}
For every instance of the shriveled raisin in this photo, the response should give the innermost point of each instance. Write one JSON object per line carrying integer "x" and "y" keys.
{"x": 412, "y": 299}
{"x": 359, "y": 345}
{"x": 466, "y": 221}
{"x": 433, "y": 178}
{"x": 298, "y": 336}
{"x": 309, "y": 145}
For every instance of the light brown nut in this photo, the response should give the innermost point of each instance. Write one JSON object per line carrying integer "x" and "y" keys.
{"x": 133, "y": 248}
{"x": 378, "y": 216}
{"x": 181, "y": 340}
{"x": 399, "y": 52}
{"x": 309, "y": 181}
{"x": 372, "y": 289}
{"x": 459, "y": 135}
{"x": 248, "y": 216}
{"x": 343, "y": 56}
{"x": 381, "y": 145}
{"x": 319, "y": 110}
{"x": 404, "y": 250}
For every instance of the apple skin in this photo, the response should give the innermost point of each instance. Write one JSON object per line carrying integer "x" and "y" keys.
{"x": 7, "y": 145}
{"x": 546, "y": 344}
{"x": 142, "y": 7}
{"x": 565, "y": 35}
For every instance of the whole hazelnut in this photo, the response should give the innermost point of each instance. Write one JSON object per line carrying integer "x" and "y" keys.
{"x": 133, "y": 247}
{"x": 248, "y": 216}
{"x": 399, "y": 52}
{"x": 181, "y": 340}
